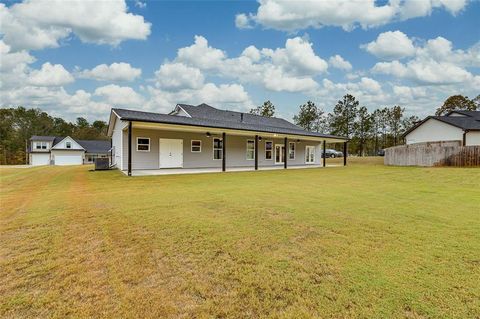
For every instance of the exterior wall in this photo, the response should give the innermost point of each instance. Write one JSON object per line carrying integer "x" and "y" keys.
{"x": 63, "y": 144}
{"x": 34, "y": 143}
{"x": 36, "y": 159}
{"x": 472, "y": 138}
{"x": 117, "y": 142}
{"x": 433, "y": 131}
{"x": 236, "y": 150}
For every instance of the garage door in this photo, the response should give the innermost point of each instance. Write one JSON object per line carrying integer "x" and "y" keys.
{"x": 40, "y": 159}
{"x": 73, "y": 159}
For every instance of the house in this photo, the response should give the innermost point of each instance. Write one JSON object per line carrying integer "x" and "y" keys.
{"x": 203, "y": 137}
{"x": 461, "y": 126}
{"x": 52, "y": 150}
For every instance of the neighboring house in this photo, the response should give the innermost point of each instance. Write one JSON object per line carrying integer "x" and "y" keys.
{"x": 205, "y": 137}
{"x": 52, "y": 150}
{"x": 461, "y": 126}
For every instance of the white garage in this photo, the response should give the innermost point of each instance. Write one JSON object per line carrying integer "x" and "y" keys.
{"x": 68, "y": 157}
{"x": 37, "y": 159}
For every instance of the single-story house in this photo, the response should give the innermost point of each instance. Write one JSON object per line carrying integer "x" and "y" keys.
{"x": 195, "y": 137}
{"x": 54, "y": 150}
{"x": 463, "y": 126}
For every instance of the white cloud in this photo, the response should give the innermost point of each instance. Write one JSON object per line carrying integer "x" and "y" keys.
{"x": 11, "y": 60}
{"x": 176, "y": 76}
{"x": 340, "y": 63}
{"x": 242, "y": 21}
{"x": 120, "y": 95}
{"x": 37, "y": 24}
{"x": 291, "y": 68}
{"x": 50, "y": 75}
{"x": 435, "y": 63}
{"x": 113, "y": 72}
{"x": 391, "y": 45}
{"x": 291, "y": 15}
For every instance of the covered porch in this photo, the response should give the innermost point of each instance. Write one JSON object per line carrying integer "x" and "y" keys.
{"x": 264, "y": 150}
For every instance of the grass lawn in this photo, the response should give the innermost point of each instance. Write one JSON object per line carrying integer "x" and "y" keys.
{"x": 363, "y": 241}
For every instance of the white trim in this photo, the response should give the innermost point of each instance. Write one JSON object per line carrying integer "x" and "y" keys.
{"x": 145, "y": 138}
{"x": 246, "y": 150}
{"x": 54, "y": 147}
{"x": 191, "y": 146}
{"x": 314, "y": 154}
{"x": 160, "y": 151}
{"x": 271, "y": 151}
{"x": 213, "y": 148}
{"x": 294, "y": 151}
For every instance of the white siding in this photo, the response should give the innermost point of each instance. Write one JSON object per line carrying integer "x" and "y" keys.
{"x": 39, "y": 159}
{"x": 63, "y": 144}
{"x": 472, "y": 138}
{"x": 433, "y": 131}
{"x": 117, "y": 142}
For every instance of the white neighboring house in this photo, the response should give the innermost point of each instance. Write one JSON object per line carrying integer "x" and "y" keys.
{"x": 52, "y": 150}
{"x": 463, "y": 126}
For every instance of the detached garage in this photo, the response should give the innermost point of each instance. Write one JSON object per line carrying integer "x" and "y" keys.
{"x": 67, "y": 157}
{"x": 37, "y": 159}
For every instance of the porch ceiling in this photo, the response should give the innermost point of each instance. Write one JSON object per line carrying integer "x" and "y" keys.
{"x": 218, "y": 131}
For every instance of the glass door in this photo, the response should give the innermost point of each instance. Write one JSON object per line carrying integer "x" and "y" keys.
{"x": 310, "y": 154}
{"x": 279, "y": 154}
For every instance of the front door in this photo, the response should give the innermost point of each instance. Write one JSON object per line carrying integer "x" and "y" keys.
{"x": 279, "y": 154}
{"x": 171, "y": 153}
{"x": 310, "y": 154}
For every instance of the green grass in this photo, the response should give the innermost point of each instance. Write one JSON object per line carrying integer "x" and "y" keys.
{"x": 363, "y": 241}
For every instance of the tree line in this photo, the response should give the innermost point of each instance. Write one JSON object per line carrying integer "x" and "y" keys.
{"x": 18, "y": 124}
{"x": 368, "y": 132}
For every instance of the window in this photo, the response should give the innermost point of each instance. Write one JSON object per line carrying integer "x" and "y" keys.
{"x": 196, "y": 146}
{"x": 291, "y": 150}
{"x": 143, "y": 144}
{"x": 310, "y": 154}
{"x": 217, "y": 148}
{"x": 68, "y": 144}
{"x": 40, "y": 145}
{"x": 268, "y": 150}
{"x": 250, "y": 149}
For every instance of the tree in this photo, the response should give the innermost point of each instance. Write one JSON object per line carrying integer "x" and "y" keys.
{"x": 394, "y": 119}
{"x": 363, "y": 128}
{"x": 308, "y": 116}
{"x": 344, "y": 115}
{"x": 457, "y": 102}
{"x": 266, "y": 109}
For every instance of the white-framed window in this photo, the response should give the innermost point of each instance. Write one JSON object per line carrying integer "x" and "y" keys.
{"x": 196, "y": 146}
{"x": 40, "y": 145}
{"x": 217, "y": 148}
{"x": 250, "y": 150}
{"x": 68, "y": 144}
{"x": 143, "y": 144}
{"x": 291, "y": 150}
{"x": 309, "y": 154}
{"x": 268, "y": 150}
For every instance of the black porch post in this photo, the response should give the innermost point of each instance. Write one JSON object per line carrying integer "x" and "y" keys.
{"x": 345, "y": 151}
{"x": 285, "y": 153}
{"x": 224, "y": 151}
{"x": 130, "y": 148}
{"x": 256, "y": 152}
{"x": 324, "y": 153}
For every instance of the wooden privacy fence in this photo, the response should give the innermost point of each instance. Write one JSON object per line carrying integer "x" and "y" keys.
{"x": 433, "y": 154}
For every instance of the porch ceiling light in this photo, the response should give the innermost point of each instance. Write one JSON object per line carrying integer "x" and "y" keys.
{"x": 208, "y": 134}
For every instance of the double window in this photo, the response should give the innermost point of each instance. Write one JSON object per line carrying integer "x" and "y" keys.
{"x": 196, "y": 146}
{"x": 217, "y": 148}
{"x": 291, "y": 150}
{"x": 250, "y": 149}
{"x": 268, "y": 150}
{"x": 143, "y": 144}
{"x": 41, "y": 145}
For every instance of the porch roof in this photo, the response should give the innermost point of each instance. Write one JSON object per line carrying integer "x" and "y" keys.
{"x": 148, "y": 117}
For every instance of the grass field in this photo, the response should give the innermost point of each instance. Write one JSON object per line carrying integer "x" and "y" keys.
{"x": 363, "y": 241}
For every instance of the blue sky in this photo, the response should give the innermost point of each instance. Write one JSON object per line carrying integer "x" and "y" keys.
{"x": 155, "y": 54}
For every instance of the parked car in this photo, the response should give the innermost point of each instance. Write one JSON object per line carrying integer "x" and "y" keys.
{"x": 381, "y": 153}
{"x": 331, "y": 153}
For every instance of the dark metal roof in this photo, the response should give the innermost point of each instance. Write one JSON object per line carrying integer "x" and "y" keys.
{"x": 95, "y": 146}
{"x": 42, "y": 138}
{"x": 470, "y": 122}
{"x": 207, "y": 116}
